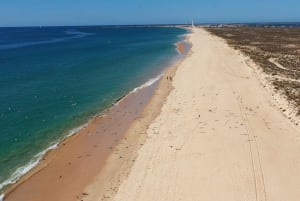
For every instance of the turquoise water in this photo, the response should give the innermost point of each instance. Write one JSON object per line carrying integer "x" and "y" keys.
{"x": 54, "y": 79}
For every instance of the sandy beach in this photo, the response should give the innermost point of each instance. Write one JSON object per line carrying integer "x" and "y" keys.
{"x": 67, "y": 170}
{"x": 218, "y": 136}
{"x": 94, "y": 157}
{"x": 207, "y": 131}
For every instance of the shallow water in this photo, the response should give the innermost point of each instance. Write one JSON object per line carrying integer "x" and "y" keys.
{"x": 54, "y": 79}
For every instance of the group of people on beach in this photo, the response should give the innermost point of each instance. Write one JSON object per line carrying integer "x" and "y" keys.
{"x": 169, "y": 78}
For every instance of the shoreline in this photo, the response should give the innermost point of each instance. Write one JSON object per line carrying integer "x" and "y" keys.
{"x": 57, "y": 147}
{"x": 47, "y": 155}
{"x": 210, "y": 128}
{"x": 105, "y": 185}
{"x": 82, "y": 130}
{"x": 217, "y": 136}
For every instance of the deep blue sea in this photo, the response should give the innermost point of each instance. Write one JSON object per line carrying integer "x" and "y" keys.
{"x": 53, "y": 79}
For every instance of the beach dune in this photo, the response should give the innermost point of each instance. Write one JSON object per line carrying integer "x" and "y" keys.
{"x": 218, "y": 137}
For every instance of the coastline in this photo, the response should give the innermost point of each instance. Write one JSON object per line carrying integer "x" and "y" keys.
{"x": 217, "y": 137}
{"x": 211, "y": 128}
{"x": 115, "y": 171}
{"x": 82, "y": 133}
{"x": 138, "y": 96}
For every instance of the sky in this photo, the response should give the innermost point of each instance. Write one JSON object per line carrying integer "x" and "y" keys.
{"x": 127, "y": 12}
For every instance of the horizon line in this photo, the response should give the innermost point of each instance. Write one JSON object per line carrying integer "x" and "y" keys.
{"x": 156, "y": 24}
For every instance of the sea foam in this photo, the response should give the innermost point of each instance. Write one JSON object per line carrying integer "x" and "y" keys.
{"x": 147, "y": 84}
{"x": 26, "y": 168}
{"x": 21, "y": 171}
{"x": 72, "y": 34}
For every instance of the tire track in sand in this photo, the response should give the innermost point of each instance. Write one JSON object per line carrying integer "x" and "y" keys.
{"x": 258, "y": 174}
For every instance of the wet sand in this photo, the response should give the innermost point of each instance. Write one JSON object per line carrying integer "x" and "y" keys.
{"x": 218, "y": 136}
{"x": 181, "y": 48}
{"x": 67, "y": 170}
{"x": 211, "y": 132}
{"x": 106, "y": 184}
{"x": 95, "y": 156}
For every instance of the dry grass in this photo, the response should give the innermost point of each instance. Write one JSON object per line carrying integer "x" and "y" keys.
{"x": 266, "y": 44}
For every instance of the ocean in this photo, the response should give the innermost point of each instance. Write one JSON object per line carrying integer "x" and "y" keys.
{"x": 53, "y": 79}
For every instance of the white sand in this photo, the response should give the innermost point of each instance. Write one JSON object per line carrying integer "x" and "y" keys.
{"x": 217, "y": 138}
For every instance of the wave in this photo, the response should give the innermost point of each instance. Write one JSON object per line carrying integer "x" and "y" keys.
{"x": 21, "y": 171}
{"x": 75, "y": 34}
{"x": 26, "y": 168}
{"x": 73, "y": 132}
{"x": 147, "y": 84}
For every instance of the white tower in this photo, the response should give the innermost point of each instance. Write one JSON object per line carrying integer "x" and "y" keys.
{"x": 193, "y": 23}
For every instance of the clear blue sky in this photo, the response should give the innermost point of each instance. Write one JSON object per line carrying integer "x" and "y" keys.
{"x": 106, "y": 12}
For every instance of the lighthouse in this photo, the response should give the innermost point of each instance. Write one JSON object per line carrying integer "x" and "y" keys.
{"x": 193, "y": 23}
